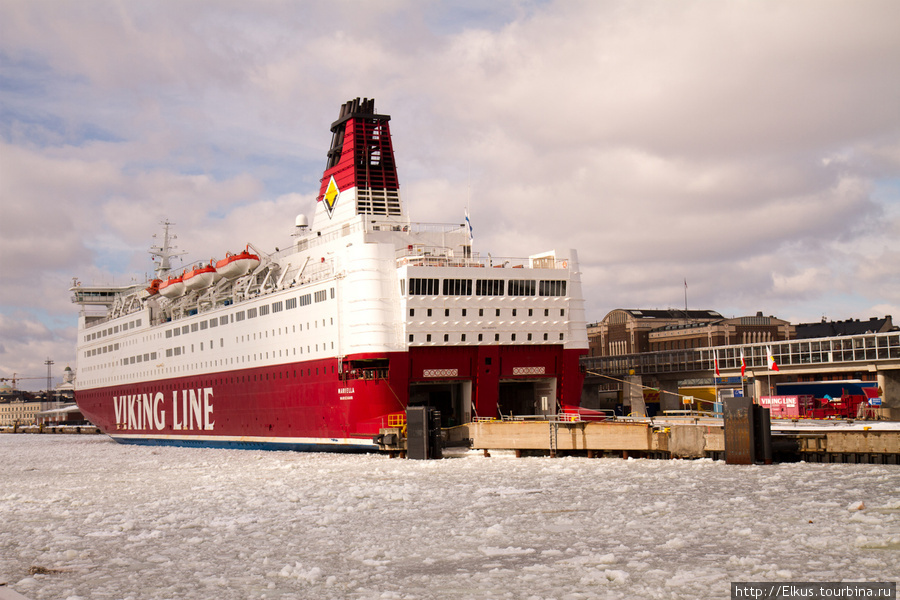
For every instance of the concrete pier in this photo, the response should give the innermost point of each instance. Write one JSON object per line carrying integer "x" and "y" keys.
{"x": 838, "y": 441}
{"x": 626, "y": 438}
{"x": 68, "y": 429}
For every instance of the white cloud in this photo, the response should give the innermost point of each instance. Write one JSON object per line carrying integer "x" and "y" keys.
{"x": 751, "y": 148}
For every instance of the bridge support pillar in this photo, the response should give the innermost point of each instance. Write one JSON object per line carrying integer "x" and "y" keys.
{"x": 669, "y": 399}
{"x": 633, "y": 396}
{"x": 764, "y": 385}
{"x": 889, "y": 382}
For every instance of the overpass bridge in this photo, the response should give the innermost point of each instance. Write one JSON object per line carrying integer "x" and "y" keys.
{"x": 873, "y": 353}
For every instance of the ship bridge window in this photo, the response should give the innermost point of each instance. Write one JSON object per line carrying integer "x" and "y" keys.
{"x": 457, "y": 287}
{"x": 214, "y": 322}
{"x": 204, "y": 325}
{"x": 290, "y": 303}
{"x": 488, "y": 287}
{"x": 251, "y": 313}
{"x": 321, "y": 295}
{"x": 195, "y": 326}
{"x": 277, "y": 307}
{"x": 552, "y": 288}
{"x": 168, "y": 333}
{"x": 185, "y": 329}
{"x": 419, "y": 286}
{"x": 521, "y": 287}
{"x": 305, "y": 300}
{"x": 239, "y": 316}
{"x": 223, "y": 320}
{"x": 263, "y": 310}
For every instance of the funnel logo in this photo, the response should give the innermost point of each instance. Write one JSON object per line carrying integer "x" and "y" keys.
{"x": 332, "y": 193}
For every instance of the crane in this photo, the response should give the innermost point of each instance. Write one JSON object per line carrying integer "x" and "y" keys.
{"x": 14, "y": 379}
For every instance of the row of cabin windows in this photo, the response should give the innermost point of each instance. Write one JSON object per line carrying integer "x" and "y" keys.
{"x": 236, "y": 380}
{"x": 112, "y": 330}
{"x": 101, "y": 350}
{"x": 252, "y": 313}
{"x": 177, "y": 351}
{"x": 146, "y": 357}
{"x": 423, "y": 286}
{"x": 512, "y": 337}
{"x": 465, "y": 312}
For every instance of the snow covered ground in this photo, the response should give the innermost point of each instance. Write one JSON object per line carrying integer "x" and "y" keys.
{"x": 104, "y": 520}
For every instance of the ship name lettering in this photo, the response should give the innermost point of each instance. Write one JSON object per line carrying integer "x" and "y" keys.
{"x": 140, "y": 411}
{"x": 192, "y": 409}
{"x": 349, "y": 390}
{"x": 196, "y": 410}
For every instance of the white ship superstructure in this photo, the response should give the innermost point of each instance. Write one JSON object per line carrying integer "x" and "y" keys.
{"x": 316, "y": 345}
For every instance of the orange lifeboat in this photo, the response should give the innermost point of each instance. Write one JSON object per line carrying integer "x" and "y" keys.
{"x": 200, "y": 277}
{"x": 172, "y": 287}
{"x": 236, "y": 265}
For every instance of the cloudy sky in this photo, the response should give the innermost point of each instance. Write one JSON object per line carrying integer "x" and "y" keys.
{"x": 751, "y": 149}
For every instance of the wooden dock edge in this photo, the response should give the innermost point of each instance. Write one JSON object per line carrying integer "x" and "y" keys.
{"x": 687, "y": 441}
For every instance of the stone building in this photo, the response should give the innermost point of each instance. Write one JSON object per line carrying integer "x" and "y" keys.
{"x": 18, "y": 407}
{"x": 631, "y": 331}
{"x": 725, "y": 332}
{"x": 627, "y": 331}
{"x": 848, "y": 327}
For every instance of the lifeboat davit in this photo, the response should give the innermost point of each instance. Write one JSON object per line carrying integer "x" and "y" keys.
{"x": 200, "y": 277}
{"x": 153, "y": 289}
{"x": 235, "y": 265}
{"x": 150, "y": 290}
{"x": 172, "y": 287}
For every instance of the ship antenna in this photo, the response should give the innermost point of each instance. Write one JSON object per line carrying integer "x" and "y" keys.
{"x": 165, "y": 251}
{"x": 469, "y": 230}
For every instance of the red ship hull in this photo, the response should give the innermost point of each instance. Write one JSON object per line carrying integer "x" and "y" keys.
{"x": 319, "y": 405}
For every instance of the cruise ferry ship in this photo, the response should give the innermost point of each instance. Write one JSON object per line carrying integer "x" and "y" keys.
{"x": 319, "y": 345}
